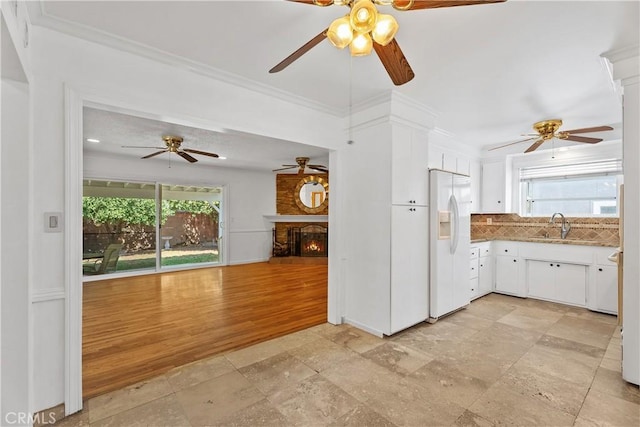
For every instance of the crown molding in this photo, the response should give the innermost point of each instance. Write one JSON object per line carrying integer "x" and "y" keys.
{"x": 40, "y": 18}
{"x": 626, "y": 64}
{"x": 452, "y": 143}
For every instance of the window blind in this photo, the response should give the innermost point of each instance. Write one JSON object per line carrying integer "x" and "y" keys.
{"x": 604, "y": 167}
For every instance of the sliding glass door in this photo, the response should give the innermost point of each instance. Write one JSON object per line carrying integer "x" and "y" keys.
{"x": 189, "y": 228}
{"x": 138, "y": 226}
{"x": 119, "y": 226}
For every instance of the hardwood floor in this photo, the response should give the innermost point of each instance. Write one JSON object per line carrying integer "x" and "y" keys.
{"x": 136, "y": 328}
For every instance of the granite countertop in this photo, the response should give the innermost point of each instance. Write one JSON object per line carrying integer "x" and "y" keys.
{"x": 550, "y": 240}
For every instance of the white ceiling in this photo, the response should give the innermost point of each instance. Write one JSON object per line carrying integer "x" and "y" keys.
{"x": 490, "y": 71}
{"x": 244, "y": 151}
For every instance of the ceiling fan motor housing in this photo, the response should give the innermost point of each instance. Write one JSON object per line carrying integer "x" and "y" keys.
{"x": 173, "y": 142}
{"x": 547, "y": 128}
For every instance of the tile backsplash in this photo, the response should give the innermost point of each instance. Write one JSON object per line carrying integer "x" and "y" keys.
{"x": 603, "y": 230}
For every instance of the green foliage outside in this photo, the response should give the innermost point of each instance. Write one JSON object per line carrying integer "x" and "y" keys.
{"x": 120, "y": 212}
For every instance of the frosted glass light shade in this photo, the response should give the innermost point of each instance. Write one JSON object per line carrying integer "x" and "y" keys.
{"x": 340, "y": 33}
{"x": 363, "y": 16}
{"x": 361, "y": 45}
{"x": 385, "y": 29}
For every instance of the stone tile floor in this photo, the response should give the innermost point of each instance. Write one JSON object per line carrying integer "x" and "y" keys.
{"x": 501, "y": 361}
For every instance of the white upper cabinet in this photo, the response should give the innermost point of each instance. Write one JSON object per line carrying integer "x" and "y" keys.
{"x": 409, "y": 152}
{"x": 493, "y": 189}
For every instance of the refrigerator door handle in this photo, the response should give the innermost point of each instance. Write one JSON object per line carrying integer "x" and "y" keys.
{"x": 453, "y": 204}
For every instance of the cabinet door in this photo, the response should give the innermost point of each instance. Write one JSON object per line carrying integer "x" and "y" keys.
{"x": 571, "y": 283}
{"x": 409, "y": 266}
{"x": 485, "y": 275}
{"x": 493, "y": 187}
{"x": 607, "y": 288}
{"x": 475, "y": 288}
{"x": 541, "y": 276}
{"x": 507, "y": 276}
{"x": 409, "y": 167}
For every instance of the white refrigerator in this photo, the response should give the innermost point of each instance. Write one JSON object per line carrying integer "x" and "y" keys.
{"x": 449, "y": 238}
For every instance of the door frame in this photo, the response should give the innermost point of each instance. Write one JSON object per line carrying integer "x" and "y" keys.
{"x": 75, "y": 100}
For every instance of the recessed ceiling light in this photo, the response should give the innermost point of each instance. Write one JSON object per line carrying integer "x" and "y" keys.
{"x": 222, "y": 158}
{"x": 95, "y": 141}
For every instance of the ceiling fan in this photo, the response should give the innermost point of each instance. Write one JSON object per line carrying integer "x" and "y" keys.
{"x": 302, "y": 163}
{"x": 548, "y": 129}
{"x": 364, "y": 28}
{"x": 173, "y": 144}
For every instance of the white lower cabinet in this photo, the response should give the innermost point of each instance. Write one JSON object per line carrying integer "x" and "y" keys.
{"x": 606, "y": 289}
{"x": 556, "y": 281}
{"x": 570, "y": 274}
{"x": 473, "y": 273}
{"x": 409, "y": 266}
{"x": 507, "y": 274}
{"x": 481, "y": 270}
{"x": 485, "y": 275}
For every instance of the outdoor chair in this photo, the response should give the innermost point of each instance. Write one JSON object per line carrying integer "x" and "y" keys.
{"x": 106, "y": 264}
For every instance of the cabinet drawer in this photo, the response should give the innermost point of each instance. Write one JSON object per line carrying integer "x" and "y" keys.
{"x": 506, "y": 248}
{"x": 474, "y": 252}
{"x": 484, "y": 249}
{"x": 473, "y": 269}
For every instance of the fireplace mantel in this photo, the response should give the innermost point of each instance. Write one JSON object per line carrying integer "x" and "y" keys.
{"x": 297, "y": 218}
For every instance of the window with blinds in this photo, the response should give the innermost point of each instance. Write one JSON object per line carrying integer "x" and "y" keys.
{"x": 585, "y": 189}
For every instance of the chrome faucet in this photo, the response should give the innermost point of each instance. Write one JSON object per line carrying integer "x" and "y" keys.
{"x": 564, "y": 228}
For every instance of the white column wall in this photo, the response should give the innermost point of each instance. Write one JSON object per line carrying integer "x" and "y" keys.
{"x": 106, "y": 75}
{"x": 626, "y": 68}
{"x": 14, "y": 251}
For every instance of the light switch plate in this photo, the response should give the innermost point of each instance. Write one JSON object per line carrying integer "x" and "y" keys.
{"x": 489, "y": 221}
{"x": 53, "y": 222}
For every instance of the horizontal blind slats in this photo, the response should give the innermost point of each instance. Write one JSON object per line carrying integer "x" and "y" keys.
{"x": 613, "y": 166}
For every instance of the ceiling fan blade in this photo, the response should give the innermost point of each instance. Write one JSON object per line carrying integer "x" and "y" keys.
{"x": 583, "y": 139}
{"x": 303, "y": 1}
{"x": 317, "y": 166}
{"x": 298, "y": 53}
{"x": 137, "y": 146}
{"x": 289, "y": 167}
{"x": 534, "y": 146}
{"x": 186, "y": 156}
{"x": 202, "y": 153}
{"x": 319, "y": 169}
{"x": 433, "y": 4}
{"x": 394, "y": 62}
{"x": 513, "y": 143}
{"x": 154, "y": 154}
{"x": 587, "y": 130}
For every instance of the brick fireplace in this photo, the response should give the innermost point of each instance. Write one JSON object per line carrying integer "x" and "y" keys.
{"x": 298, "y": 236}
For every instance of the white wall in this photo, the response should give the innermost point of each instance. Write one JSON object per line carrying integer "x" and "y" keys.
{"x": 14, "y": 256}
{"x": 107, "y": 76}
{"x": 250, "y": 195}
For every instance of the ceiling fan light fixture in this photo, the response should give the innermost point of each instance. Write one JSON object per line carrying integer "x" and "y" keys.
{"x": 385, "y": 29}
{"x": 363, "y": 16}
{"x": 340, "y": 33}
{"x": 361, "y": 45}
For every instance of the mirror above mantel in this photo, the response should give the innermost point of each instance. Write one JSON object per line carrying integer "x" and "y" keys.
{"x": 311, "y": 194}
